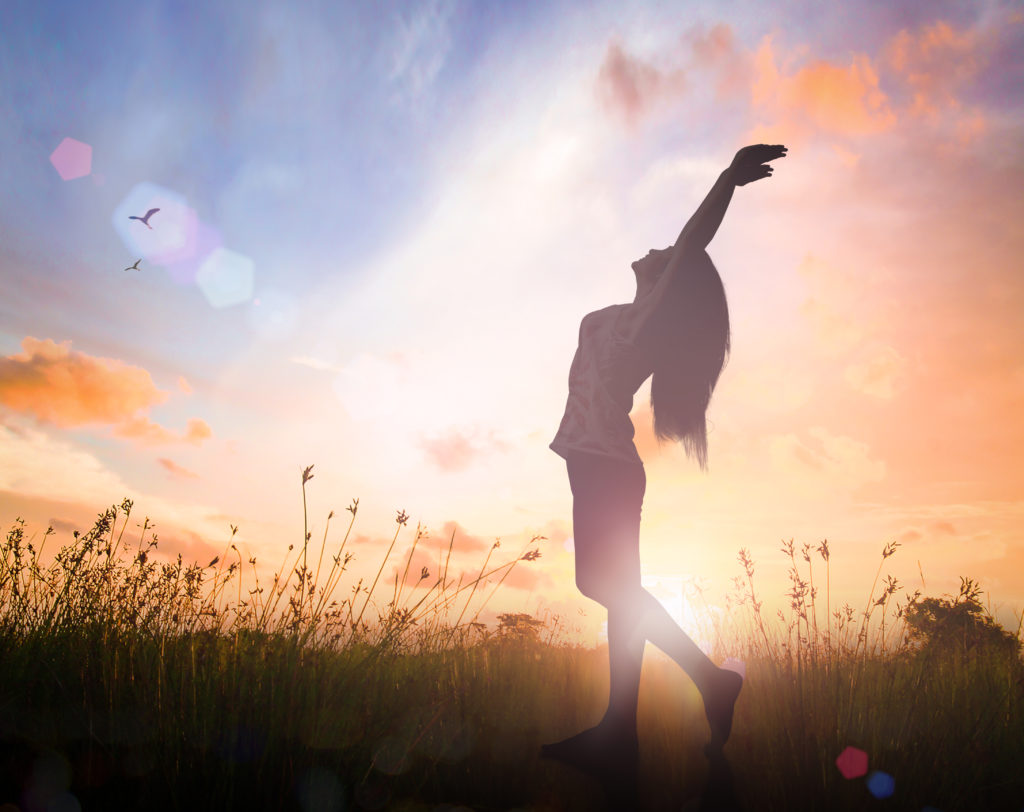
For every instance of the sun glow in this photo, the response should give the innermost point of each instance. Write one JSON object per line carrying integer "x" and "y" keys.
{"x": 677, "y": 595}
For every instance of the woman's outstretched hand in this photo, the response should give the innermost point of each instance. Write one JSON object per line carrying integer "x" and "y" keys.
{"x": 751, "y": 163}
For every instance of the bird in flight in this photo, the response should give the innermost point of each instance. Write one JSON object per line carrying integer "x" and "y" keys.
{"x": 145, "y": 219}
{"x": 135, "y": 266}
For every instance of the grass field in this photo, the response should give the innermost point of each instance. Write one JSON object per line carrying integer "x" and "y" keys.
{"x": 128, "y": 684}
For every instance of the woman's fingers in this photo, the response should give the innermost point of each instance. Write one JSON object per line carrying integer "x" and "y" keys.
{"x": 768, "y": 152}
{"x": 750, "y": 173}
{"x": 757, "y": 154}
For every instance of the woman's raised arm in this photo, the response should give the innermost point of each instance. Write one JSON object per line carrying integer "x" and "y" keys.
{"x": 750, "y": 164}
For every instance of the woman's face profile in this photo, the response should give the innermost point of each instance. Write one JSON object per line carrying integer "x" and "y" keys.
{"x": 650, "y": 266}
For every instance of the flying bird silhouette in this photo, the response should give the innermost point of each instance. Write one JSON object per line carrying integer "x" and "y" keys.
{"x": 135, "y": 266}
{"x": 145, "y": 219}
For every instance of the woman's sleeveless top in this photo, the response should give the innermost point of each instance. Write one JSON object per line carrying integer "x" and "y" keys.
{"x": 606, "y": 371}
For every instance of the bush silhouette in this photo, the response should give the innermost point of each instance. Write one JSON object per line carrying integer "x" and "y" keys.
{"x": 958, "y": 625}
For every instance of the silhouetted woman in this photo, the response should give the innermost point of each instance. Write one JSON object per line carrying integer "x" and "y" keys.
{"x": 677, "y": 328}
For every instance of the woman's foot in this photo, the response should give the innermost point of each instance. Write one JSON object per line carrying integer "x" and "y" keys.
{"x": 601, "y": 751}
{"x": 719, "y": 702}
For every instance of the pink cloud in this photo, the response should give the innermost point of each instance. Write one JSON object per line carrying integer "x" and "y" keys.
{"x": 457, "y": 450}
{"x": 192, "y": 547}
{"x": 176, "y": 470}
{"x": 528, "y": 577}
{"x": 717, "y": 50}
{"x": 629, "y": 87}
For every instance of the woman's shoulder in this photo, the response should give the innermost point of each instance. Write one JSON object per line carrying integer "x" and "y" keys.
{"x": 605, "y": 314}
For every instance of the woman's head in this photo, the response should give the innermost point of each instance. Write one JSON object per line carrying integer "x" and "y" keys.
{"x": 648, "y": 268}
{"x": 689, "y": 345}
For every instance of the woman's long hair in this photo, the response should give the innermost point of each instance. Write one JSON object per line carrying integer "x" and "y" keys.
{"x": 691, "y": 343}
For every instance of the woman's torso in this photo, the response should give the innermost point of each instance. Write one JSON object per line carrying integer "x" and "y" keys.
{"x": 605, "y": 374}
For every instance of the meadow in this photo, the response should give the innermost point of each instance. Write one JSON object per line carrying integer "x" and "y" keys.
{"x": 131, "y": 683}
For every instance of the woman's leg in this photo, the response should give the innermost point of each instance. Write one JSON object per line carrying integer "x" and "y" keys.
{"x": 607, "y": 500}
{"x": 634, "y": 619}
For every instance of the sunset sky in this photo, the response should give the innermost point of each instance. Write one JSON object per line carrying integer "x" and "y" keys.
{"x": 382, "y": 223}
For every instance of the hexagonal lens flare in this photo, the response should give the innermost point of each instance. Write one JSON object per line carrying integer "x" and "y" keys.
{"x": 72, "y": 159}
{"x": 226, "y": 278}
{"x": 852, "y": 763}
{"x": 207, "y": 240}
{"x": 168, "y": 235}
{"x": 881, "y": 785}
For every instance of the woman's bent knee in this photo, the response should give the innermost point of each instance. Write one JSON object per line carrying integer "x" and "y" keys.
{"x": 607, "y": 590}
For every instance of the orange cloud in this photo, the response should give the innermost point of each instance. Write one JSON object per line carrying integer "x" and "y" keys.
{"x": 818, "y": 97}
{"x": 820, "y": 456}
{"x": 146, "y": 432}
{"x": 629, "y": 86}
{"x": 197, "y": 430}
{"x": 878, "y": 375}
{"x": 177, "y": 470}
{"x": 935, "y": 62}
{"x": 58, "y": 385}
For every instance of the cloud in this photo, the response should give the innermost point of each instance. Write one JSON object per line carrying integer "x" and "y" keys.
{"x": 64, "y": 526}
{"x": 421, "y": 559}
{"x": 935, "y": 62}
{"x": 456, "y": 450}
{"x": 834, "y": 298}
{"x": 878, "y": 375}
{"x": 32, "y": 464}
{"x": 824, "y": 458}
{"x": 716, "y": 50}
{"x": 820, "y": 97}
{"x": 183, "y": 385}
{"x": 58, "y": 385}
{"x": 314, "y": 363}
{"x": 926, "y": 73}
{"x": 146, "y": 432}
{"x": 528, "y": 577}
{"x": 464, "y": 542}
{"x": 524, "y": 574}
{"x": 433, "y": 541}
{"x": 910, "y": 536}
{"x": 629, "y": 87}
{"x": 197, "y": 430}
{"x": 420, "y": 47}
{"x": 192, "y": 547}
{"x": 177, "y": 470}
{"x": 66, "y": 388}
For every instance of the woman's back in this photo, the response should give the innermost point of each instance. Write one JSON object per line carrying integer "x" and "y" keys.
{"x": 606, "y": 372}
